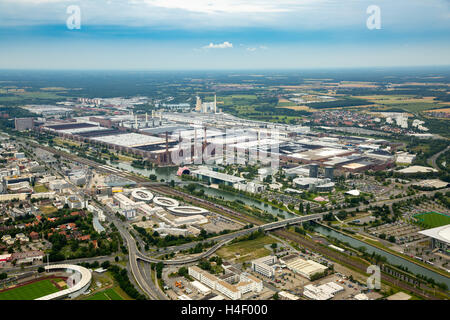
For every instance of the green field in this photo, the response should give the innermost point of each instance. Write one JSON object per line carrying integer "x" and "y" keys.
{"x": 30, "y": 292}
{"x": 433, "y": 219}
{"x": 108, "y": 294}
{"x": 248, "y": 250}
{"x": 40, "y": 188}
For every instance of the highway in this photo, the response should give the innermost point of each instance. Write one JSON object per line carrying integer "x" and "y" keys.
{"x": 136, "y": 256}
{"x": 432, "y": 160}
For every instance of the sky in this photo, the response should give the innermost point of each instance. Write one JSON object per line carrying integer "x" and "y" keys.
{"x": 222, "y": 34}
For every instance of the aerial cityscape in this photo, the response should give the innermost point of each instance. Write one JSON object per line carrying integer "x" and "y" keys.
{"x": 131, "y": 179}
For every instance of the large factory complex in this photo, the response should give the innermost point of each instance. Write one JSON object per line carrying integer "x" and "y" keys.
{"x": 177, "y": 138}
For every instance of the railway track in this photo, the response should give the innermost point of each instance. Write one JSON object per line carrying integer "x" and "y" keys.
{"x": 228, "y": 212}
{"x": 300, "y": 240}
{"x": 342, "y": 259}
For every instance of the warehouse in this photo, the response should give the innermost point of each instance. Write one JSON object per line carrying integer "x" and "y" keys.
{"x": 131, "y": 140}
{"x": 323, "y": 292}
{"x": 305, "y": 268}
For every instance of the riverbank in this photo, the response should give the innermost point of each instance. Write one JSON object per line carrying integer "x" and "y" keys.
{"x": 391, "y": 252}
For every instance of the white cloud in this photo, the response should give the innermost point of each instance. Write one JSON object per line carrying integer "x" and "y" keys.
{"x": 253, "y": 49}
{"x": 223, "y": 6}
{"x": 223, "y": 45}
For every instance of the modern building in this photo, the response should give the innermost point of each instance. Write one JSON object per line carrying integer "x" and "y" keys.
{"x": 314, "y": 184}
{"x": 127, "y": 206}
{"x": 440, "y": 238}
{"x": 58, "y": 185}
{"x": 313, "y": 170}
{"x": 329, "y": 173}
{"x": 74, "y": 202}
{"x": 217, "y": 177}
{"x": 264, "y": 266}
{"x": 141, "y": 195}
{"x": 246, "y": 282}
{"x": 21, "y": 124}
{"x": 78, "y": 282}
{"x": 196, "y": 219}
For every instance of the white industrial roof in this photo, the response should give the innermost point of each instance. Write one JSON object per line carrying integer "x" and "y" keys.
{"x": 439, "y": 233}
{"x": 130, "y": 139}
{"x": 201, "y": 287}
{"x": 414, "y": 169}
{"x": 218, "y": 175}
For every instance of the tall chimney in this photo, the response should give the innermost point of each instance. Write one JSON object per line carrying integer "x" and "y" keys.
{"x": 167, "y": 146}
{"x": 215, "y": 103}
{"x": 204, "y": 143}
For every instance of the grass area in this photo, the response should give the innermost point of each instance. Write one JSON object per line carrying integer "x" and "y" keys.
{"x": 248, "y": 250}
{"x": 40, "y": 188}
{"x": 47, "y": 209}
{"x": 31, "y": 291}
{"x": 433, "y": 219}
{"x": 61, "y": 142}
{"x": 108, "y": 294}
{"x": 124, "y": 158}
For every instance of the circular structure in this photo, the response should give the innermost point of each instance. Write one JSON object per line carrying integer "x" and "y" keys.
{"x": 183, "y": 170}
{"x": 142, "y": 195}
{"x": 165, "y": 202}
{"x": 76, "y": 288}
{"x": 187, "y": 211}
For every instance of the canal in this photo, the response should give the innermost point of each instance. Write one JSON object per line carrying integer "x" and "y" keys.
{"x": 391, "y": 258}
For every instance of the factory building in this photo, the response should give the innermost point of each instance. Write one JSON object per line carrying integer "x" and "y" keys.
{"x": 323, "y": 292}
{"x": 305, "y": 268}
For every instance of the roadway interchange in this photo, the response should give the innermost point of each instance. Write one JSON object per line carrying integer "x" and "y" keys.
{"x": 135, "y": 255}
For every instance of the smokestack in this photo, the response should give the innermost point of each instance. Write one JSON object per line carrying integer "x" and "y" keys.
{"x": 204, "y": 143}
{"x": 167, "y": 142}
{"x": 215, "y": 103}
{"x": 146, "y": 117}
{"x": 195, "y": 143}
